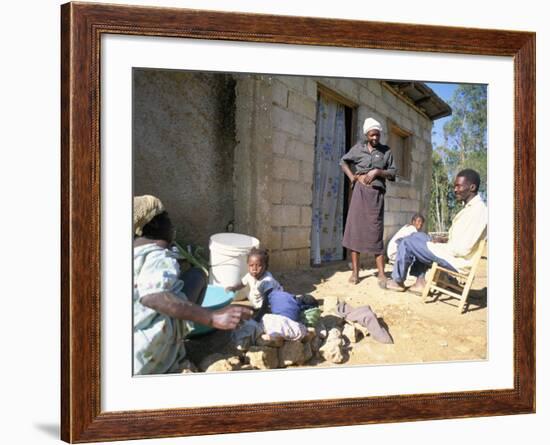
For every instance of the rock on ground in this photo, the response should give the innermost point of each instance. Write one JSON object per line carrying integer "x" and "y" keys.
{"x": 219, "y": 363}
{"x": 188, "y": 367}
{"x": 263, "y": 357}
{"x": 308, "y": 352}
{"x": 332, "y": 350}
{"x": 350, "y": 333}
{"x": 291, "y": 353}
{"x": 266, "y": 340}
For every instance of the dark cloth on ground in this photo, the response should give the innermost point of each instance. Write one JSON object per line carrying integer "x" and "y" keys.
{"x": 365, "y": 221}
{"x": 366, "y": 318}
{"x": 413, "y": 253}
{"x": 306, "y": 302}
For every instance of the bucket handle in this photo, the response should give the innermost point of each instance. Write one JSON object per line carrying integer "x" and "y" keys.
{"x": 220, "y": 264}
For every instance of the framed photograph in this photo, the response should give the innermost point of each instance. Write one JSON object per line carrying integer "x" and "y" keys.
{"x": 146, "y": 95}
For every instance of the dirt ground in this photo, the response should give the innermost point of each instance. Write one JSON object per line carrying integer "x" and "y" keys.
{"x": 422, "y": 332}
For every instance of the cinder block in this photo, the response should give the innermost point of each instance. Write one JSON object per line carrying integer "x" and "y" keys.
{"x": 382, "y": 108}
{"x": 348, "y": 88}
{"x": 366, "y": 97}
{"x": 283, "y": 260}
{"x": 389, "y": 97}
{"x": 298, "y": 193}
{"x": 302, "y": 104}
{"x": 305, "y": 216}
{"x": 296, "y": 237}
{"x": 308, "y": 130}
{"x": 413, "y": 115}
{"x": 285, "y": 215}
{"x": 375, "y": 87}
{"x": 409, "y": 205}
{"x": 295, "y": 83}
{"x": 311, "y": 88}
{"x": 280, "y": 93}
{"x": 280, "y": 141}
{"x": 303, "y": 258}
{"x": 287, "y": 121}
{"x": 300, "y": 150}
{"x": 403, "y": 192}
{"x": 402, "y": 107}
{"x": 393, "y": 204}
{"x": 275, "y": 239}
{"x": 407, "y": 123}
{"x": 286, "y": 169}
{"x": 418, "y": 155}
{"x": 306, "y": 172}
{"x": 390, "y": 218}
{"x": 276, "y": 192}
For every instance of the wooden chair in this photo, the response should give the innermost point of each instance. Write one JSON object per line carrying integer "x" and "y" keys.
{"x": 436, "y": 283}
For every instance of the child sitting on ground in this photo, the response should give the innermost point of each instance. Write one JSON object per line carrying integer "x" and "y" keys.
{"x": 417, "y": 222}
{"x": 280, "y": 314}
{"x": 257, "y": 277}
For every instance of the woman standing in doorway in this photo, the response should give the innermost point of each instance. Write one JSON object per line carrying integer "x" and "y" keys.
{"x": 367, "y": 165}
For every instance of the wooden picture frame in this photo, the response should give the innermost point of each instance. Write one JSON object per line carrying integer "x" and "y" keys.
{"x": 82, "y": 26}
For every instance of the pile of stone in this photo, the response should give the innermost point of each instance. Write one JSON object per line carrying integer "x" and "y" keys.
{"x": 330, "y": 340}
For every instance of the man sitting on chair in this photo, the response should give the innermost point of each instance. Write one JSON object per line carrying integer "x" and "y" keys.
{"x": 418, "y": 251}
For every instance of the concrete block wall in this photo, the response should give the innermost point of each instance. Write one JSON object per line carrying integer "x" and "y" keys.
{"x": 294, "y": 138}
{"x": 293, "y": 134}
{"x": 403, "y": 197}
{"x": 407, "y": 197}
{"x": 257, "y": 133}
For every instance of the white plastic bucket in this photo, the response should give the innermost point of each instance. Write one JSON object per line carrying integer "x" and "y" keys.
{"x": 228, "y": 252}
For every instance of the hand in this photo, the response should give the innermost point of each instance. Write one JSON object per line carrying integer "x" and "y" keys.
{"x": 230, "y": 316}
{"x": 360, "y": 177}
{"x": 230, "y": 289}
{"x": 371, "y": 176}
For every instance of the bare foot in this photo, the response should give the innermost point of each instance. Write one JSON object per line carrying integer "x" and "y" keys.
{"x": 354, "y": 279}
{"x": 392, "y": 285}
{"x": 418, "y": 287}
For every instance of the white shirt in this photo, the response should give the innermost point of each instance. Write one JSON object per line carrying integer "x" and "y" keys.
{"x": 266, "y": 282}
{"x": 404, "y": 231}
{"x": 469, "y": 227}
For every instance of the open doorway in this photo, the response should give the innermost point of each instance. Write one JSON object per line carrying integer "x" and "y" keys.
{"x": 333, "y": 137}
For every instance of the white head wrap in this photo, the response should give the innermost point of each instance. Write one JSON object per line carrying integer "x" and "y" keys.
{"x": 371, "y": 124}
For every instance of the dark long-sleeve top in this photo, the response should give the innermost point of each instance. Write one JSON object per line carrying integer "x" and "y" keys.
{"x": 361, "y": 160}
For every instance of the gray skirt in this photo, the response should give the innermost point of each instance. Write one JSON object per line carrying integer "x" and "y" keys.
{"x": 364, "y": 230}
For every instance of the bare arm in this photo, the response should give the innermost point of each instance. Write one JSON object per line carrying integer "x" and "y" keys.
{"x": 234, "y": 288}
{"x": 347, "y": 171}
{"x": 168, "y": 304}
{"x": 440, "y": 239}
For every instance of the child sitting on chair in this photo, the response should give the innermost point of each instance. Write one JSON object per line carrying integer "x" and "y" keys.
{"x": 257, "y": 278}
{"x": 417, "y": 222}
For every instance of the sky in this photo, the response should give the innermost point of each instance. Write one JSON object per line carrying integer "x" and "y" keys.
{"x": 445, "y": 92}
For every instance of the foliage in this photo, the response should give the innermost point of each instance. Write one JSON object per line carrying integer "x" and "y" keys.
{"x": 194, "y": 258}
{"x": 439, "y": 207}
{"x": 465, "y": 146}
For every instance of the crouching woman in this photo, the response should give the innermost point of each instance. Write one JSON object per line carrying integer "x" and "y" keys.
{"x": 165, "y": 302}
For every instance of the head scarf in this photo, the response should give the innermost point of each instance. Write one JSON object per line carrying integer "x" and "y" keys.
{"x": 371, "y": 124}
{"x": 146, "y": 207}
